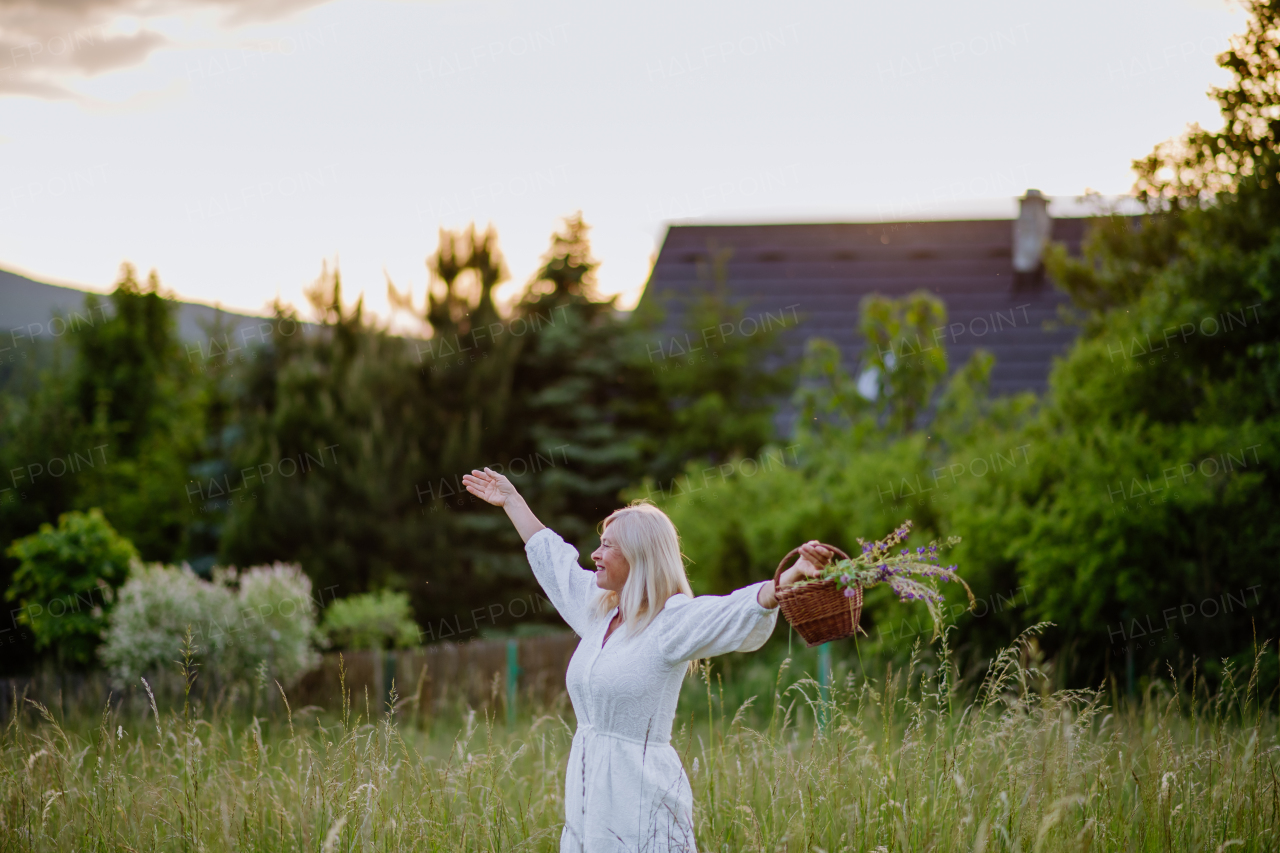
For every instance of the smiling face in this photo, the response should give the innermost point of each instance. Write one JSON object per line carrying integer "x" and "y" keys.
{"x": 612, "y": 567}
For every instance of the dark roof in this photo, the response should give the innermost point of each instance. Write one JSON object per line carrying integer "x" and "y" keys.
{"x": 817, "y": 275}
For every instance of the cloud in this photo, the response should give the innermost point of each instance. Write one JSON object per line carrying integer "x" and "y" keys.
{"x": 46, "y": 46}
{"x": 33, "y": 88}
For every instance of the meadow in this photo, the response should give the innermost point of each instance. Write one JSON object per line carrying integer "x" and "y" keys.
{"x": 911, "y": 758}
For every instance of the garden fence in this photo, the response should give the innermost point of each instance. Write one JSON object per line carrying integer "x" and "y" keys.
{"x": 432, "y": 680}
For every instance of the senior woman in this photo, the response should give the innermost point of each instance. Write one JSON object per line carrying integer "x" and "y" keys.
{"x": 641, "y": 629}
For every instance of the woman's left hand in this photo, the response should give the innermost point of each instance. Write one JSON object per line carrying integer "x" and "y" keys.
{"x": 813, "y": 556}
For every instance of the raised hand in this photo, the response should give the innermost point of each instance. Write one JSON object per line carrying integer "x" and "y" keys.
{"x": 490, "y": 486}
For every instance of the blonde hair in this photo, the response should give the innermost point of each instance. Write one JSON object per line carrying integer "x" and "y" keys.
{"x": 649, "y": 541}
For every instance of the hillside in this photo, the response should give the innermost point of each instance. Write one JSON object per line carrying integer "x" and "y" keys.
{"x": 27, "y": 306}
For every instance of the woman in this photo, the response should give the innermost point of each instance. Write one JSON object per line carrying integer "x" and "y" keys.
{"x": 625, "y": 788}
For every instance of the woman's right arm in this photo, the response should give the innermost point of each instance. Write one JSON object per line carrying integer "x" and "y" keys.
{"x": 496, "y": 489}
{"x": 523, "y": 518}
{"x": 570, "y": 587}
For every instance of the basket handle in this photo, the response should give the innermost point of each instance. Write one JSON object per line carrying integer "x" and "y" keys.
{"x": 777, "y": 576}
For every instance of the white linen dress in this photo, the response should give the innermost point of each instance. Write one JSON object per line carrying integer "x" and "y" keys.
{"x": 625, "y": 787}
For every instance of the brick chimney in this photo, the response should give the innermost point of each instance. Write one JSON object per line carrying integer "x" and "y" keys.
{"x": 1030, "y": 235}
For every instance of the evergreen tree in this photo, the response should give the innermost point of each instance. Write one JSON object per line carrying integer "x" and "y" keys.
{"x": 325, "y": 461}
{"x": 575, "y": 393}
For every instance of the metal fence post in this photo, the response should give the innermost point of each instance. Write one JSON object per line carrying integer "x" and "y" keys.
{"x": 824, "y": 683}
{"x": 513, "y": 679}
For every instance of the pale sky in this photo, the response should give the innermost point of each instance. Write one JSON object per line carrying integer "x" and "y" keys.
{"x": 235, "y": 145}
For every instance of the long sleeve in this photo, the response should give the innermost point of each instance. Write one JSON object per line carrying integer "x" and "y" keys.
{"x": 571, "y": 588}
{"x": 710, "y": 625}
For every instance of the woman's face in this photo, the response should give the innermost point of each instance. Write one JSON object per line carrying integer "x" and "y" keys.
{"x": 611, "y": 567}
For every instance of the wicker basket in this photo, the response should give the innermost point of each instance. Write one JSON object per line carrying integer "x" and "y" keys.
{"x": 819, "y": 611}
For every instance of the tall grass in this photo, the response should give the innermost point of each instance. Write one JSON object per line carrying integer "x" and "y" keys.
{"x": 914, "y": 760}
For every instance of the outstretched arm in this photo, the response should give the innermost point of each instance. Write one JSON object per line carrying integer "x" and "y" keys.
{"x": 741, "y": 621}
{"x": 496, "y": 489}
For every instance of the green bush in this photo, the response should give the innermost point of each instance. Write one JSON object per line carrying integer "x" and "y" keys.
{"x": 66, "y": 581}
{"x": 373, "y": 620}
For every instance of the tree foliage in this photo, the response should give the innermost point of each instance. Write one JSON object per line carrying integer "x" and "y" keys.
{"x": 1198, "y": 166}
{"x": 708, "y": 375}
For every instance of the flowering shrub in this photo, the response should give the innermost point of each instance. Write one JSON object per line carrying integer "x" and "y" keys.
{"x": 153, "y": 610}
{"x": 903, "y": 572}
{"x": 278, "y": 619}
{"x": 263, "y": 617}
